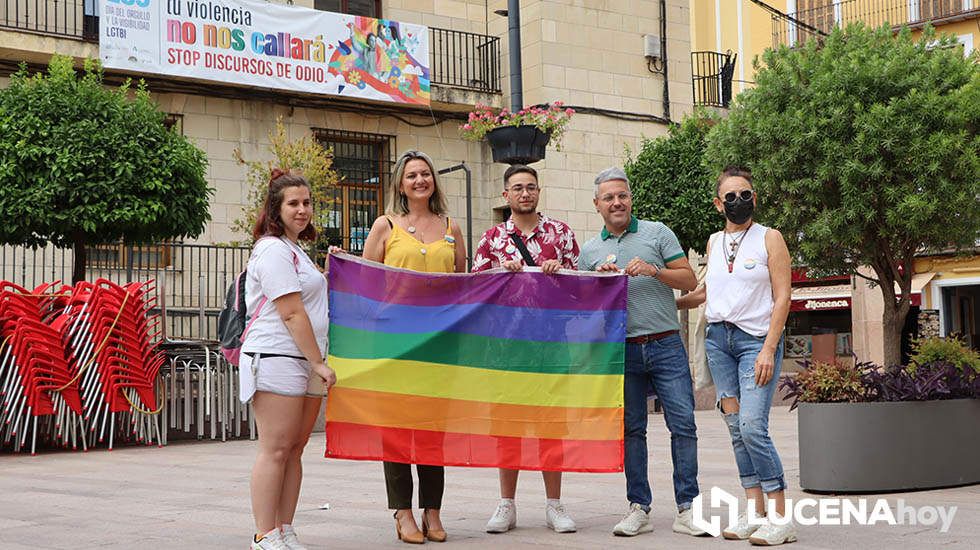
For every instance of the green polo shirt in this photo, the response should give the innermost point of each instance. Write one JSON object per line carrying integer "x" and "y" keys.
{"x": 650, "y": 304}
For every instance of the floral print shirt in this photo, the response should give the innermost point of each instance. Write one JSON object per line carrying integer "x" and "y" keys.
{"x": 550, "y": 240}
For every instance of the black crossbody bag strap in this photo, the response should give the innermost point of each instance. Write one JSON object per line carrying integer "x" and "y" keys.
{"x": 522, "y": 248}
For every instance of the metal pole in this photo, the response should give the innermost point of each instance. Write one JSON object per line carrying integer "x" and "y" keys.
{"x": 514, "y": 37}
{"x": 469, "y": 208}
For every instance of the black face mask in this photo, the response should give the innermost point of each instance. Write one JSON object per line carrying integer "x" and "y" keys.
{"x": 739, "y": 211}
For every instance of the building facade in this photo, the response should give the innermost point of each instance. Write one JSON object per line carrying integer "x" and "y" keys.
{"x": 590, "y": 55}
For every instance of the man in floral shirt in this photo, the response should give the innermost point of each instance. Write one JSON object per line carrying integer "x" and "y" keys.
{"x": 551, "y": 244}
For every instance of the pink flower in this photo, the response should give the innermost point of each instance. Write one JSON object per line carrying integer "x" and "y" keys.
{"x": 469, "y": 127}
{"x": 569, "y": 111}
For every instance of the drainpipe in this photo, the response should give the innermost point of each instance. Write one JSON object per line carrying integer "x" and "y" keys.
{"x": 469, "y": 208}
{"x": 663, "y": 55}
{"x": 514, "y": 41}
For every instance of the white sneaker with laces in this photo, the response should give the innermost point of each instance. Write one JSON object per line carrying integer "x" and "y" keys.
{"x": 557, "y": 518}
{"x": 270, "y": 541}
{"x": 741, "y": 529}
{"x": 684, "y": 525}
{"x": 636, "y": 521}
{"x": 771, "y": 534}
{"x": 504, "y": 518}
{"x": 290, "y": 539}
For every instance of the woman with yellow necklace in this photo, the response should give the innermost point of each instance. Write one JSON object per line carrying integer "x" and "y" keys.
{"x": 416, "y": 234}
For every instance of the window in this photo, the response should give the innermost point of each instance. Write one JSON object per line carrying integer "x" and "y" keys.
{"x": 367, "y": 8}
{"x": 363, "y": 163}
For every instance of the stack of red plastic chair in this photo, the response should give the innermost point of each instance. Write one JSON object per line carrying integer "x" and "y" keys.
{"x": 78, "y": 363}
{"x": 35, "y": 383}
{"x": 111, "y": 336}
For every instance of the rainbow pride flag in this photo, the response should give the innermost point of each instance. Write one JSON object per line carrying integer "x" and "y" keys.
{"x": 504, "y": 370}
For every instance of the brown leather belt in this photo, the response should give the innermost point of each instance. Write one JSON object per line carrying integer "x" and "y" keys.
{"x": 649, "y": 337}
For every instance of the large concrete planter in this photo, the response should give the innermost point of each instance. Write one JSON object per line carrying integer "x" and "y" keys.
{"x": 894, "y": 446}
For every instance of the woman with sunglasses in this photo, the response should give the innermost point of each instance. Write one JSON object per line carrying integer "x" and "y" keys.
{"x": 416, "y": 234}
{"x": 747, "y": 289}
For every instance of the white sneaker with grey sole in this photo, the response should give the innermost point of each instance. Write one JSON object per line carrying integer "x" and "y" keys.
{"x": 635, "y": 521}
{"x": 557, "y": 518}
{"x": 270, "y": 541}
{"x": 290, "y": 539}
{"x": 684, "y": 524}
{"x": 741, "y": 529}
{"x": 774, "y": 534}
{"x": 504, "y": 517}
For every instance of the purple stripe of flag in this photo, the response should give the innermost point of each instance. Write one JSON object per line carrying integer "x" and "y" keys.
{"x": 536, "y": 290}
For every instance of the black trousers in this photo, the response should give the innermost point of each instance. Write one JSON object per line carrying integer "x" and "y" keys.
{"x": 398, "y": 481}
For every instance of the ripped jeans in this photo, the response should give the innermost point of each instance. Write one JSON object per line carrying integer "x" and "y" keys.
{"x": 731, "y": 356}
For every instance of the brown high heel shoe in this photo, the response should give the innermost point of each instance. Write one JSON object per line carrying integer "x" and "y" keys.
{"x": 435, "y": 535}
{"x": 416, "y": 538}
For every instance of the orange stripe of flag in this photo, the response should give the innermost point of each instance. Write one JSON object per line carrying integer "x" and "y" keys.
{"x": 414, "y": 412}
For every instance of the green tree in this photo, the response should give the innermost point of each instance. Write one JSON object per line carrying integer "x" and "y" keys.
{"x": 303, "y": 155}
{"x": 671, "y": 182}
{"x": 864, "y": 150}
{"x": 83, "y": 164}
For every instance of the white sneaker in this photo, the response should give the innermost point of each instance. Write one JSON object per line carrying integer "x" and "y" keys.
{"x": 684, "y": 525}
{"x": 271, "y": 541}
{"x": 290, "y": 539}
{"x": 770, "y": 534}
{"x": 504, "y": 518}
{"x": 635, "y": 522}
{"x": 557, "y": 518}
{"x": 741, "y": 529}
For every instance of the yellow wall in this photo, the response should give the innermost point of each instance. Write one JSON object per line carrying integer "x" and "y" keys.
{"x": 746, "y": 29}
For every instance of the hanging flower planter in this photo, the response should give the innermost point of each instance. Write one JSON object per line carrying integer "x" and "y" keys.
{"x": 518, "y": 144}
{"x": 521, "y": 137}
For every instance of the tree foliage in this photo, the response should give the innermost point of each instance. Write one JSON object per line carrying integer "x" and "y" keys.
{"x": 83, "y": 164}
{"x": 864, "y": 151}
{"x": 303, "y": 155}
{"x": 671, "y": 182}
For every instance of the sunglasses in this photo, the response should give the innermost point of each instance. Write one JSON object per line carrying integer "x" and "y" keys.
{"x": 743, "y": 195}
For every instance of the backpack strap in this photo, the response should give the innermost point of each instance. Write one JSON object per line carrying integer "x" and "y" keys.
{"x": 522, "y": 248}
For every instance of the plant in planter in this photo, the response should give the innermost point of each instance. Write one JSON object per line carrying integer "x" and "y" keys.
{"x": 869, "y": 428}
{"x": 521, "y": 137}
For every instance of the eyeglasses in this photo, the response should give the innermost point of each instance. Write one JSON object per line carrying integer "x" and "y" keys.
{"x": 531, "y": 189}
{"x": 743, "y": 195}
{"x": 609, "y": 197}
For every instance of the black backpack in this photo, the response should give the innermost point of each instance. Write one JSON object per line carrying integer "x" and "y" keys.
{"x": 233, "y": 319}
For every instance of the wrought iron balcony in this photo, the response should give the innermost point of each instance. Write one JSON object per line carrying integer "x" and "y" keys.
{"x": 819, "y": 17}
{"x": 712, "y": 78}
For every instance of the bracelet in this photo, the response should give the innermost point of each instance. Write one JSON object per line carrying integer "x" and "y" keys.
{"x": 657, "y": 273}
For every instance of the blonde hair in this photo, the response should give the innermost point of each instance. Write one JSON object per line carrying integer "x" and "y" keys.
{"x": 398, "y": 203}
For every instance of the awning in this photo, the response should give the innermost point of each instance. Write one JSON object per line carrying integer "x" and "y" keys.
{"x": 822, "y": 298}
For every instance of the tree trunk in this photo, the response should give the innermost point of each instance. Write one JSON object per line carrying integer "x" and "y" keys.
{"x": 894, "y": 312}
{"x": 78, "y": 268}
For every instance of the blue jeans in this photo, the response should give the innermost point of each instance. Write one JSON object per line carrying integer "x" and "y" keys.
{"x": 664, "y": 364}
{"x": 731, "y": 358}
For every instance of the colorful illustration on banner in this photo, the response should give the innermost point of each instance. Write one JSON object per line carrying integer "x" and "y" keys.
{"x": 376, "y": 56}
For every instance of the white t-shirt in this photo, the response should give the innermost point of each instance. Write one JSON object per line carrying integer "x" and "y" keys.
{"x": 278, "y": 267}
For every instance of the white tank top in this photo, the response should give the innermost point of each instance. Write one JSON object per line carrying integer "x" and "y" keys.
{"x": 744, "y": 296}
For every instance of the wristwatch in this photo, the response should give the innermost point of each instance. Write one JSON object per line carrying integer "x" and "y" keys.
{"x": 656, "y": 273}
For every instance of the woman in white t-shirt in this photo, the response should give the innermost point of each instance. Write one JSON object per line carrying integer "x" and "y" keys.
{"x": 282, "y": 367}
{"x": 748, "y": 289}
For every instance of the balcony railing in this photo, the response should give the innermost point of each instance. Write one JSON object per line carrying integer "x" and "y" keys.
{"x": 465, "y": 60}
{"x": 812, "y": 22}
{"x": 457, "y": 59}
{"x": 712, "y": 78}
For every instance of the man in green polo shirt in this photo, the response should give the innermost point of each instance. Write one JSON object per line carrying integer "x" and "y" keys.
{"x": 648, "y": 252}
